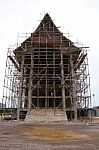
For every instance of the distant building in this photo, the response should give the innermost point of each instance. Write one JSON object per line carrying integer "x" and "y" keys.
{"x": 96, "y": 111}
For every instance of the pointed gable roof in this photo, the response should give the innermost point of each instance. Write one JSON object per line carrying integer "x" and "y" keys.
{"x": 47, "y": 26}
{"x": 47, "y": 23}
{"x": 46, "y": 34}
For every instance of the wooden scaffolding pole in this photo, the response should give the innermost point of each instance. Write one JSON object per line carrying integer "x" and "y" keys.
{"x": 30, "y": 83}
{"x": 74, "y": 97}
{"x": 21, "y": 89}
{"x": 62, "y": 79}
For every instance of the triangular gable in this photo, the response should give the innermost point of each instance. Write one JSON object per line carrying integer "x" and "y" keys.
{"x": 46, "y": 34}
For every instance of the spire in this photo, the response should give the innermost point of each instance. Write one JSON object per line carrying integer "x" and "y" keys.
{"x": 47, "y": 23}
{"x": 46, "y": 17}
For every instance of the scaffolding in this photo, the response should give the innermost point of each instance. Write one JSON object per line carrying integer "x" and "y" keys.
{"x": 47, "y": 71}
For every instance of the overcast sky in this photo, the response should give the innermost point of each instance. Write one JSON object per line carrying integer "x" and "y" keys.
{"x": 79, "y": 17}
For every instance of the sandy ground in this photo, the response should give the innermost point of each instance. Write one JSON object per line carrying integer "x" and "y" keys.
{"x": 49, "y": 136}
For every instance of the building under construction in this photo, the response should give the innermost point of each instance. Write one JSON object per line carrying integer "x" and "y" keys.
{"x": 47, "y": 74}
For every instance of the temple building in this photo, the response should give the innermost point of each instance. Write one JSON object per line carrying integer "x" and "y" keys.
{"x": 47, "y": 75}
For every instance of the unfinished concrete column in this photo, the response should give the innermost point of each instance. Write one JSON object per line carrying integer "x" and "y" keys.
{"x": 54, "y": 92}
{"x": 21, "y": 88}
{"x": 62, "y": 79}
{"x": 62, "y": 83}
{"x": 46, "y": 93}
{"x": 30, "y": 84}
{"x": 73, "y": 88}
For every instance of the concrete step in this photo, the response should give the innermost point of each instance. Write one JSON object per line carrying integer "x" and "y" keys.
{"x": 46, "y": 115}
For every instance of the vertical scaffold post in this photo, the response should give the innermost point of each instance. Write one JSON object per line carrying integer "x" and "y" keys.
{"x": 62, "y": 78}
{"x": 54, "y": 93}
{"x": 21, "y": 88}
{"x": 30, "y": 83}
{"x": 73, "y": 87}
{"x": 46, "y": 86}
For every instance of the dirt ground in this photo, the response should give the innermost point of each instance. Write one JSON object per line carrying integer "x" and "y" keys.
{"x": 49, "y": 136}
